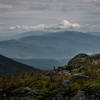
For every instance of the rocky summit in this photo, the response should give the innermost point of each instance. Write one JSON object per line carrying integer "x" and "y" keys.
{"x": 77, "y": 80}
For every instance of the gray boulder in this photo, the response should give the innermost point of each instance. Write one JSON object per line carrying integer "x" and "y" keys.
{"x": 75, "y": 78}
{"x": 79, "y": 96}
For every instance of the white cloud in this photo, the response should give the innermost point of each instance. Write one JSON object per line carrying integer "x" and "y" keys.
{"x": 27, "y": 28}
{"x": 5, "y": 6}
{"x": 63, "y": 25}
{"x": 67, "y": 24}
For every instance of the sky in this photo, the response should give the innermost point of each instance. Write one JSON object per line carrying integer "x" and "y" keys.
{"x": 27, "y": 15}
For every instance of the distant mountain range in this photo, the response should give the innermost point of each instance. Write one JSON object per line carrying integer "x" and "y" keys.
{"x": 10, "y": 66}
{"x": 44, "y": 64}
{"x": 49, "y": 45}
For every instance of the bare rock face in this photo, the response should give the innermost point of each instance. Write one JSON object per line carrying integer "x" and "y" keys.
{"x": 79, "y": 57}
{"x": 77, "y": 62}
{"x": 75, "y": 78}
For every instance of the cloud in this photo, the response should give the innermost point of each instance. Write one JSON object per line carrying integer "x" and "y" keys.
{"x": 67, "y": 24}
{"x": 27, "y": 28}
{"x": 63, "y": 25}
{"x": 5, "y": 5}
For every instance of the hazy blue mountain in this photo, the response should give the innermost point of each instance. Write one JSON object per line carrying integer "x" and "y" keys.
{"x": 43, "y": 64}
{"x": 52, "y": 45}
{"x": 95, "y": 33}
{"x": 30, "y": 33}
{"x": 10, "y": 66}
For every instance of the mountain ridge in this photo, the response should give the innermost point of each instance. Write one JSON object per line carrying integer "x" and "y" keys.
{"x": 52, "y": 46}
{"x": 10, "y": 66}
